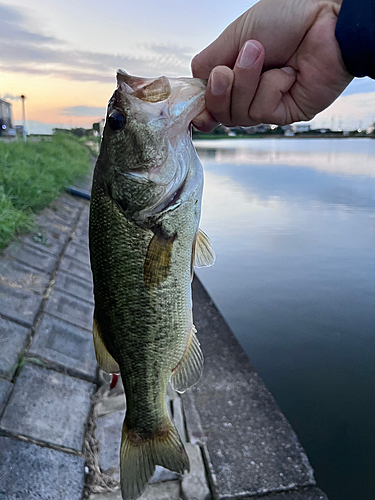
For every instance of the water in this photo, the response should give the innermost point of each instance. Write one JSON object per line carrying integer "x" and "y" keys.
{"x": 293, "y": 226}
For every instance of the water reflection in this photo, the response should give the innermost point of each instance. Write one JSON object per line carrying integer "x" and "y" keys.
{"x": 293, "y": 226}
{"x": 339, "y": 156}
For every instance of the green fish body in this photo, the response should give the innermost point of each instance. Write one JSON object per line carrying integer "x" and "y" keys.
{"x": 144, "y": 238}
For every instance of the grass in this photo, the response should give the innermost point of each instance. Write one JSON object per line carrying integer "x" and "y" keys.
{"x": 32, "y": 175}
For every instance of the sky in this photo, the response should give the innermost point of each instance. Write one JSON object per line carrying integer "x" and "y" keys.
{"x": 63, "y": 55}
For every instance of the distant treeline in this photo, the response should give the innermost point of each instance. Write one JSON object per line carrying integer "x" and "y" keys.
{"x": 78, "y": 132}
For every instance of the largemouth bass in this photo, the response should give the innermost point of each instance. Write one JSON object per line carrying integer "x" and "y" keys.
{"x": 144, "y": 241}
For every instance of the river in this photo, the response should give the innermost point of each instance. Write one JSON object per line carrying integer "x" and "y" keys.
{"x": 292, "y": 222}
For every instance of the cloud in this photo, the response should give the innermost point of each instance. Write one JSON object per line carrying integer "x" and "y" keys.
{"x": 351, "y": 110}
{"x": 28, "y": 52}
{"x": 11, "y": 97}
{"x": 83, "y": 111}
{"x": 360, "y": 86}
{"x": 182, "y": 53}
{"x": 12, "y": 28}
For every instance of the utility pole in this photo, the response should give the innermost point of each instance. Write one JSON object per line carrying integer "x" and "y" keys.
{"x": 23, "y": 97}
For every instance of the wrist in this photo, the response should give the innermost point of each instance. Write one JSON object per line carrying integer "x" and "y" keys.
{"x": 356, "y": 37}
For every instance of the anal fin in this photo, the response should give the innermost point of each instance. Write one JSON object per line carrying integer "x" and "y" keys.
{"x": 189, "y": 369}
{"x": 104, "y": 359}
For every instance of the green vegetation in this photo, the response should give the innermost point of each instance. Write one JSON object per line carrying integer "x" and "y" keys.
{"x": 32, "y": 175}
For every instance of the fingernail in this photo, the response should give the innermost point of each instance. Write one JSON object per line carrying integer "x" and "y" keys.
{"x": 219, "y": 83}
{"x": 250, "y": 53}
{"x": 289, "y": 70}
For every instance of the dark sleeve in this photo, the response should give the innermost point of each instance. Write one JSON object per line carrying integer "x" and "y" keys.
{"x": 355, "y": 33}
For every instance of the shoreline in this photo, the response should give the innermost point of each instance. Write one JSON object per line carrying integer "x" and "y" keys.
{"x": 270, "y": 136}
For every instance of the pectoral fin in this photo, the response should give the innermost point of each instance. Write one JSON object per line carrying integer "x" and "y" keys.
{"x": 189, "y": 369}
{"x": 104, "y": 359}
{"x": 204, "y": 256}
{"x": 158, "y": 260}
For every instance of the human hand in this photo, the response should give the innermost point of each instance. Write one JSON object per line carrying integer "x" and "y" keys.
{"x": 277, "y": 63}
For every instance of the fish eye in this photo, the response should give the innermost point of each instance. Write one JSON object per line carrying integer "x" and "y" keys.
{"x": 116, "y": 120}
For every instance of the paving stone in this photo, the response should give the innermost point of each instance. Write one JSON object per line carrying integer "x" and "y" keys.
{"x": 161, "y": 491}
{"x": 114, "y": 399}
{"x": 81, "y": 239}
{"x": 17, "y": 276}
{"x": 301, "y": 494}
{"x": 162, "y": 475}
{"x": 84, "y": 220}
{"x": 194, "y": 484}
{"x": 82, "y": 232}
{"x": 5, "y": 388}
{"x": 108, "y": 433}
{"x": 178, "y": 418}
{"x": 63, "y": 213}
{"x": 252, "y": 448}
{"x": 194, "y": 427}
{"x": 12, "y": 342}
{"x": 67, "y": 346}
{"x": 169, "y": 490}
{"x": 70, "y": 309}
{"x": 75, "y": 251}
{"x": 19, "y": 305}
{"x": 55, "y": 226}
{"x": 49, "y": 407}
{"x": 74, "y": 285}
{"x": 76, "y": 268}
{"x": 38, "y": 259}
{"x": 47, "y": 240}
{"x": 171, "y": 393}
{"x": 30, "y": 472}
{"x": 110, "y": 495}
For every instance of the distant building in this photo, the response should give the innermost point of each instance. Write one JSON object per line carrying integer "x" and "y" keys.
{"x": 258, "y": 129}
{"x": 6, "y": 127}
{"x": 288, "y": 132}
{"x": 300, "y": 127}
{"x": 370, "y": 129}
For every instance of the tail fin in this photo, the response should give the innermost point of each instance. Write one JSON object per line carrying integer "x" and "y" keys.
{"x": 138, "y": 458}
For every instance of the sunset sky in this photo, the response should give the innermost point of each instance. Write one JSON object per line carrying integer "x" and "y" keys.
{"x": 63, "y": 55}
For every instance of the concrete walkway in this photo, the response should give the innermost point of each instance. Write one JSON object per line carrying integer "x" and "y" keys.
{"x": 60, "y": 423}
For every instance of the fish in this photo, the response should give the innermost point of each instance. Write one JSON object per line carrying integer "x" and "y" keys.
{"x": 145, "y": 240}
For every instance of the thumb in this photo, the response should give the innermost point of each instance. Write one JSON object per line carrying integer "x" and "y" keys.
{"x": 221, "y": 52}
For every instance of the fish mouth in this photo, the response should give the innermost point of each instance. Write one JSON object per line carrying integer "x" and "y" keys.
{"x": 178, "y": 100}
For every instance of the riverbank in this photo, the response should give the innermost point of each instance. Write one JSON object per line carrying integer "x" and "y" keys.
{"x": 32, "y": 174}
{"x": 57, "y": 443}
